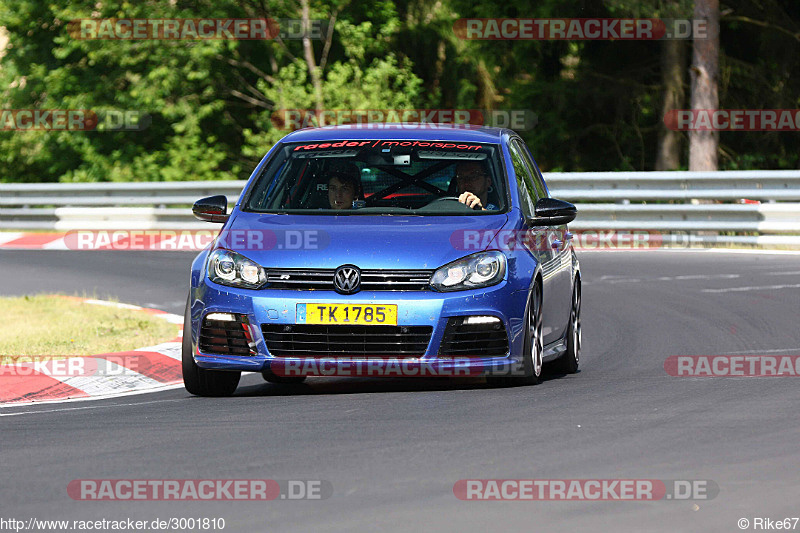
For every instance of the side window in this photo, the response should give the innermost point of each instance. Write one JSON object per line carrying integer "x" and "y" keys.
{"x": 537, "y": 187}
{"x": 538, "y": 182}
{"x": 523, "y": 180}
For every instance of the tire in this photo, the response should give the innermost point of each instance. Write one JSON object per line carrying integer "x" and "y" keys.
{"x": 533, "y": 347}
{"x": 285, "y": 380}
{"x": 199, "y": 381}
{"x": 568, "y": 363}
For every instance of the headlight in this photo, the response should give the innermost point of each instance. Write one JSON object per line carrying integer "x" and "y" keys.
{"x": 235, "y": 270}
{"x": 473, "y": 272}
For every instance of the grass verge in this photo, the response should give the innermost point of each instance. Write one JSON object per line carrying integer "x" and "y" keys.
{"x": 52, "y": 325}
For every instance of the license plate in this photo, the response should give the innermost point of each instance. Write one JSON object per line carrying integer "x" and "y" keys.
{"x": 350, "y": 314}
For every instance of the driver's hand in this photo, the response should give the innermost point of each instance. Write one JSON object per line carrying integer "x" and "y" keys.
{"x": 470, "y": 200}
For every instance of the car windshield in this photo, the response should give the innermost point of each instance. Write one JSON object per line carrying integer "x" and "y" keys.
{"x": 362, "y": 177}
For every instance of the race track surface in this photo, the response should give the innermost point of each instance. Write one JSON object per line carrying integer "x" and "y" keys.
{"x": 392, "y": 449}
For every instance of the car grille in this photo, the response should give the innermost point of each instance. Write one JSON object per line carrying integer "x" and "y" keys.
{"x": 473, "y": 340}
{"x": 350, "y": 341}
{"x": 226, "y": 337}
{"x": 371, "y": 280}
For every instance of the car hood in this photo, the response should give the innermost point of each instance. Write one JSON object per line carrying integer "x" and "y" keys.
{"x": 379, "y": 242}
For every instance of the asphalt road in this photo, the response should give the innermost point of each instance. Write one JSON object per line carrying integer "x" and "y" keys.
{"x": 392, "y": 449}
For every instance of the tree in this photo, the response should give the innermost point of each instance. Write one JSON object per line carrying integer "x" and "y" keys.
{"x": 703, "y": 145}
{"x": 673, "y": 59}
{"x": 211, "y": 102}
{"x": 215, "y": 105}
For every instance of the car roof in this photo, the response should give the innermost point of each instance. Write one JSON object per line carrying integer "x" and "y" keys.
{"x": 410, "y": 131}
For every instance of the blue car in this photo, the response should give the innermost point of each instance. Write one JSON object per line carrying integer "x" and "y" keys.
{"x": 427, "y": 250}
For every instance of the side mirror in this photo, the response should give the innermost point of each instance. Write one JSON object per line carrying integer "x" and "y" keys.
{"x": 211, "y": 209}
{"x": 553, "y": 212}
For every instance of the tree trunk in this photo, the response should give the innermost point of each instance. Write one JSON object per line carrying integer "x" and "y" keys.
{"x": 313, "y": 70}
{"x": 673, "y": 60}
{"x": 703, "y": 145}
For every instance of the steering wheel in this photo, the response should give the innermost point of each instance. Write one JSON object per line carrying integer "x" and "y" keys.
{"x": 452, "y": 198}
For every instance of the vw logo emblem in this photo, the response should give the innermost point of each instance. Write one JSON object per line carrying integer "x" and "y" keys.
{"x": 347, "y": 279}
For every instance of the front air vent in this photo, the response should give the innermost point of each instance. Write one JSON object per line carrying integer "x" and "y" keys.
{"x": 476, "y": 336}
{"x": 226, "y": 334}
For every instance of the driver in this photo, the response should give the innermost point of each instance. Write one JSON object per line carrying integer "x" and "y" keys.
{"x": 473, "y": 183}
{"x": 344, "y": 186}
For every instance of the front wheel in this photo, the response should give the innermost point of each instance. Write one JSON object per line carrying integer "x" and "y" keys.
{"x": 533, "y": 346}
{"x": 200, "y": 381}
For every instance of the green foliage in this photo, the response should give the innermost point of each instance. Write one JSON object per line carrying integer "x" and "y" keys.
{"x": 213, "y": 104}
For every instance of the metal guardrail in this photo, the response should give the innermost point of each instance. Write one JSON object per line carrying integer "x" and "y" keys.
{"x": 606, "y": 200}
{"x": 113, "y": 194}
{"x": 762, "y": 185}
{"x": 745, "y": 218}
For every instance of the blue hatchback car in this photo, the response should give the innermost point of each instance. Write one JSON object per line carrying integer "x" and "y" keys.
{"x": 432, "y": 250}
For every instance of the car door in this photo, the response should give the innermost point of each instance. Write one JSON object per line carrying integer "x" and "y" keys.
{"x": 539, "y": 246}
{"x": 558, "y": 240}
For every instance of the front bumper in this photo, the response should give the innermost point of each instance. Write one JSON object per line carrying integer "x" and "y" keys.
{"x": 414, "y": 308}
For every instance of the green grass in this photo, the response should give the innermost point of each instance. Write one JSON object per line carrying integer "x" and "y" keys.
{"x": 49, "y": 325}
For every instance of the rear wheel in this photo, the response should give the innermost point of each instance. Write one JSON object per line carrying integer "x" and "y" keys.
{"x": 568, "y": 363}
{"x": 532, "y": 347}
{"x": 200, "y": 381}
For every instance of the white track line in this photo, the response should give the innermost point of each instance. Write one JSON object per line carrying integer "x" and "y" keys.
{"x": 86, "y": 407}
{"x": 170, "y": 349}
{"x": 786, "y": 350}
{"x": 762, "y": 288}
{"x": 8, "y": 237}
{"x": 57, "y": 244}
{"x": 110, "y": 378}
{"x": 19, "y": 405}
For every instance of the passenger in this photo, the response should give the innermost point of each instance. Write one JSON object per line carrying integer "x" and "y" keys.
{"x": 344, "y": 186}
{"x": 473, "y": 184}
